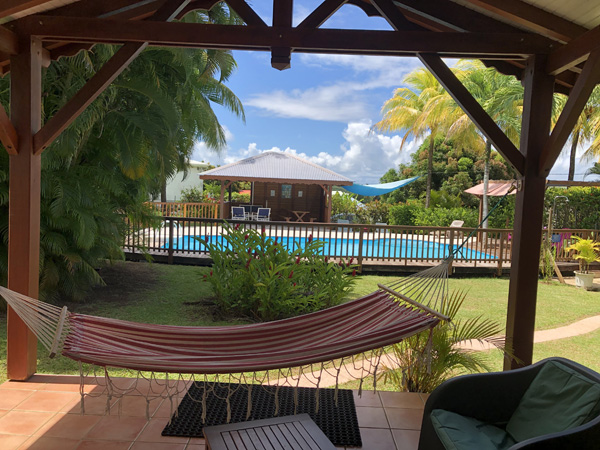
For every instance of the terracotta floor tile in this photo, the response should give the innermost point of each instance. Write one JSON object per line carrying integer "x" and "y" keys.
{"x": 158, "y": 387}
{"x": 377, "y": 439}
{"x": 93, "y": 405}
{"x": 135, "y": 406}
{"x": 47, "y": 401}
{"x": 369, "y": 417}
{"x": 3, "y": 412}
{"x": 49, "y": 443}
{"x": 24, "y": 385}
{"x": 199, "y": 447}
{"x": 23, "y": 422}
{"x": 64, "y": 425}
{"x": 157, "y": 446}
{"x": 151, "y": 433}
{"x": 63, "y": 383}
{"x": 406, "y": 439}
{"x": 197, "y": 441}
{"x": 404, "y": 418}
{"x": 165, "y": 409}
{"x": 104, "y": 445}
{"x": 401, "y": 400}
{"x": 115, "y": 428}
{"x": 12, "y": 397}
{"x": 368, "y": 398}
{"x": 11, "y": 441}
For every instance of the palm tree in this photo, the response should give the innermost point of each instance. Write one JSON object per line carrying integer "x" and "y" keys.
{"x": 420, "y": 110}
{"x": 423, "y": 361}
{"x": 594, "y": 170}
{"x": 502, "y": 98}
{"x": 586, "y": 128}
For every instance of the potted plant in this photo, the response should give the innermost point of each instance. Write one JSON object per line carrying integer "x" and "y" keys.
{"x": 586, "y": 252}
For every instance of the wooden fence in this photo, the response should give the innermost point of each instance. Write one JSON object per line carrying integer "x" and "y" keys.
{"x": 365, "y": 243}
{"x": 194, "y": 210}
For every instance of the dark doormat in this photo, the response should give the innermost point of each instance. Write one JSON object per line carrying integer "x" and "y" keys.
{"x": 339, "y": 423}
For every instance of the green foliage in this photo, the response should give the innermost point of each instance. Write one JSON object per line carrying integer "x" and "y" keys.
{"x": 586, "y": 251}
{"x": 374, "y": 212}
{"x": 192, "y": 195}
{"x": 581, "y": 211}
{"x": 255, "y": 276}
{"x": 240, "y": 198}
{"x": 344, "y": 204}
{"x": 103, "y": 167}
{"x": 442, "y": 199}
{"x": 443, "y": 217}
{"x": 429, "y": 358}
{"x": 404, "y": 213}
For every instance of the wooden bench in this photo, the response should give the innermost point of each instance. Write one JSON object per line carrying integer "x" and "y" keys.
{"x": 288, "y": 432}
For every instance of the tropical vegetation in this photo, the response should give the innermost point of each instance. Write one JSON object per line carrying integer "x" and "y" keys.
{"x": 97, "y": 175}
{"x": 262, "y": 278}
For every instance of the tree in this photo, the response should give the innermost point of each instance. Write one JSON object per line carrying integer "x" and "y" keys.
{"x": 502, "y": 98}
{"x": 419, "y": 110}
{"x": 594, "y": 170}
{"x": 100, "y": 171}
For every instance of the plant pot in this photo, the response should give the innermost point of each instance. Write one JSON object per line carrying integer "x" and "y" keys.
{"x": 584, "y": 280}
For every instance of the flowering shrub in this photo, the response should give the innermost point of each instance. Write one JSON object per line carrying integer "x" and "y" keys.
{"x": 253, "y": 275}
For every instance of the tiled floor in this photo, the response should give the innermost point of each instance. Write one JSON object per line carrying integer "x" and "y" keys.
{"x": 44, "y": 413}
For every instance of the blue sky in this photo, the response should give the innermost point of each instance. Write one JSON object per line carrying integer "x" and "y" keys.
{"x": 322, "y": 109}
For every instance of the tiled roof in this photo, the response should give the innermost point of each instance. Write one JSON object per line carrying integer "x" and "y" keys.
{"x": 276, "y": 166}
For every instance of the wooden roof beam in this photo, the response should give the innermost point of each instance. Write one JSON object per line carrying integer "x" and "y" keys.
{"x": 532, "y": 17}
{"x": 9, "y": 42}
{"x": 281, "y": 56}
{"x": 10, "y": 7}
{"x": 98, "y": 83}
{"x": 388, "y": 10}
{"x": 321, "y": 13}
{"x": 570, "y": 55}
{"x": 474, "y": 110}
{"x": 587, "y": 80}
{"x": 475, "y": 45}
{"x": 246, "y": 12}
{"x": 8, "y": 134}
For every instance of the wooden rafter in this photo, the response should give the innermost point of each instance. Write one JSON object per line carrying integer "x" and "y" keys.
{"x": 476, "y": 45}
{"x": 247, "y": 14}
{"x": 571, "y": 112}
{"x": 474, "y": 110}
{"x": 575, "y": 52}
{"x": 321, "y": 13}
{"x": 11, "y": 7}
{"x": 8, "y": 134}
{"x": 532, "y": 17}
{"x": 98, "y": 83}
{"x": 281, "y": 56}
{"x": 394, "y": 17}
{"x": 8, "y": 42}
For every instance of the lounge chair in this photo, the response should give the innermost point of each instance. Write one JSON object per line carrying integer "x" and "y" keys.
{"x": 238, "y": 213}
{"x": 553, "y": 404}
{"x": 263, "y": 214}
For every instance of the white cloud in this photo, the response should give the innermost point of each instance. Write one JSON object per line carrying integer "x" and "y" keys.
{"x": 365, "y": 155}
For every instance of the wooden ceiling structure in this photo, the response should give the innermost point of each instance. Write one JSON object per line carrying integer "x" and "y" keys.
{"x": 552, "y": 49}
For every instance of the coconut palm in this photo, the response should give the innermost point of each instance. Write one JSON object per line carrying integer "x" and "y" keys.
{"x": 586, "y": 129}
{"x": 502, "y": 98}
{"x": 428, "y": 358}
{"x": 419, "y": 110}
{"x": 594, "y": 170}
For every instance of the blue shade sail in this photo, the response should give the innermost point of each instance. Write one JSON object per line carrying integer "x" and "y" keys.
{"x": 370, "y": 190}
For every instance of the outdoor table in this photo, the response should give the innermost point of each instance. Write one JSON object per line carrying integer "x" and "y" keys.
{"x": 300, "y": 215}
{"x": 296, "y": 432}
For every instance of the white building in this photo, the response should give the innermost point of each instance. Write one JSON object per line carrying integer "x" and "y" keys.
{"x": 180, "y": 181}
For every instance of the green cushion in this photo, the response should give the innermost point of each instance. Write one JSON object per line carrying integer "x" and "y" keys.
{"x": 558, "y": 398}
{"x": 466, "y": 433}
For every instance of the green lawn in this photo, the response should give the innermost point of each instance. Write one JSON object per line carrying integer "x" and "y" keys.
{"x": 174, "y": 295}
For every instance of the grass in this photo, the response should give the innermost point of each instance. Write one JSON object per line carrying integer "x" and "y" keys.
{"x": 174, "y": 295}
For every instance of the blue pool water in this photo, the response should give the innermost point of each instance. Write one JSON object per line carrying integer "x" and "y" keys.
{"x": 336, "y": 247}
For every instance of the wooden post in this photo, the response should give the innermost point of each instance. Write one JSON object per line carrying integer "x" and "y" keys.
{"x": 24, "y": 203}
{"x": 360, "y": 249}
{"x": 503, "y": 236}
{"x": 529, "y": 207}
{"x": 222, "y": 200}
{"x": 451, "y": 250}
{"x": 171, "y": 250}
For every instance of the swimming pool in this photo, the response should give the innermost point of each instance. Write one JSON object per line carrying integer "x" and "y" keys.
{"x": 338, "y": 247}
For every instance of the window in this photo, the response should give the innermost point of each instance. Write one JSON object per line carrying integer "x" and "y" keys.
{"x": 299, "y": 194}
{"x": 286, "y": 191}
{"x": 272, "y": 192}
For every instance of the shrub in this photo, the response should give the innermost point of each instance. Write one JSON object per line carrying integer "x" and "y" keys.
{"x": 374, "y": 212}
{"x": 443, "y": 217}
{"x": 343, "y": 204}
{"x": 404, "y": 213}
{"x": 254, "y": 275}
